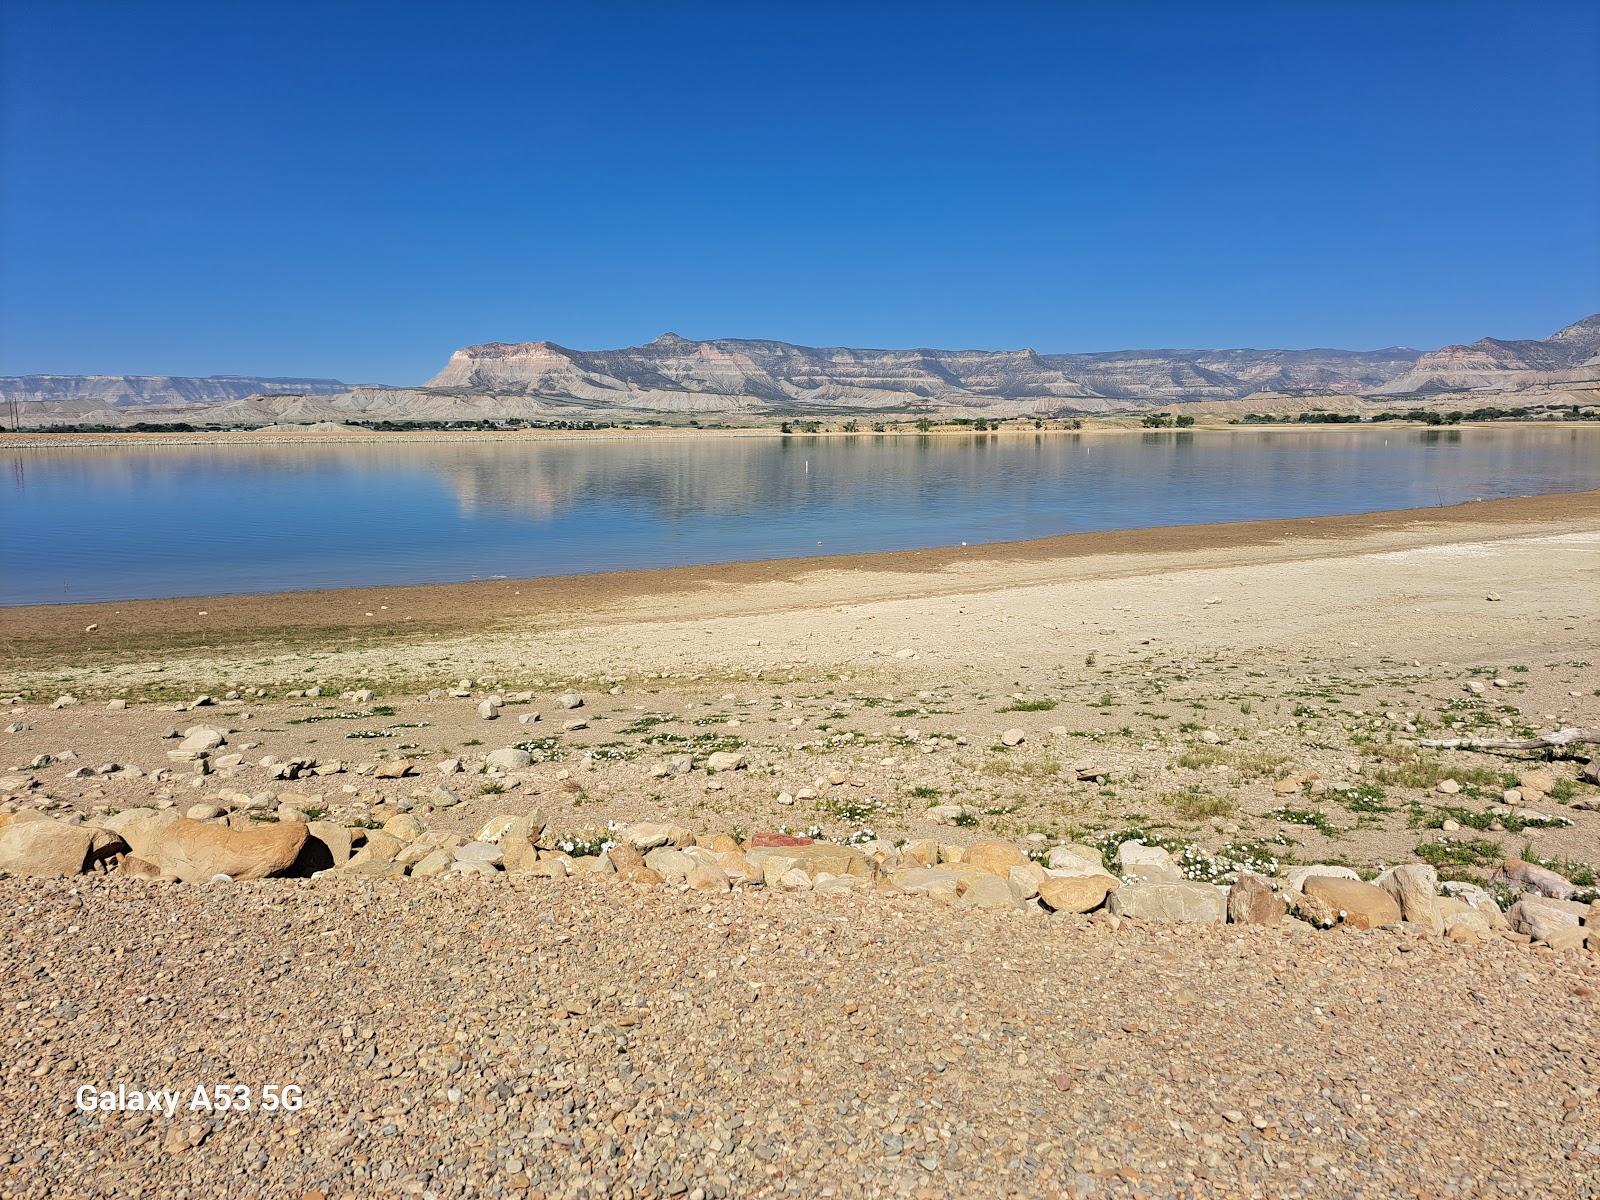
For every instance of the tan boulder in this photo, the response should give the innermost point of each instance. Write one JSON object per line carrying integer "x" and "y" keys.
{"x": 329, "y": 839}
{"x": 922, "y": 853}
{"x": 1415, "y": 888}
{"x": 42, "y": 849}
{"x": 376, "y": 847}
{"x": 519, "y": 842}
{"x": 1076, "y": 893}
{"x": 140, "y": 827}
{"x": 194, "y": 851}
{"x": 404, "y": 826}
{"x": 1360, "y": 905}
{"x": 995, "y": 856}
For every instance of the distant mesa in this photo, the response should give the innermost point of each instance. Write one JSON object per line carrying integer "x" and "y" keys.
{"x": 672, "y": 377}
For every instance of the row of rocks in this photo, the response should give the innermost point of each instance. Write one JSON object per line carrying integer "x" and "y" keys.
{"x": 159, "y": 844}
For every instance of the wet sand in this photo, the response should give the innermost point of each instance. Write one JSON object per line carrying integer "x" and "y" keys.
{"x": 404, "y": 612}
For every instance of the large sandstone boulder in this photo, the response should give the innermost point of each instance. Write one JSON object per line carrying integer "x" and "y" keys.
{"x": 1251, "y": 901}
{"x": 820, "y": 858}
{"x": 1360, "y": 905}
{"x": 1169, "y": 902}
{"x": 140, "y": 827}
{"x": 988, "y": 891}
{"x": 1478, "y": 899}
{"x": 1415, "y": 888}
{"x": 1540, "y": 879}
{"x": 329, "y": 843}
{"x": 1071, "y": 858}
{"x": 1076, "y": 893}
{"x": 1294, "y": 879}
{"x": 194, "y": 851}
{"x": 519, "y": 842}
{"x": 510, "y": 759}
{"x": 1136, "y": 855}
{"x": 994, "y": 856}
{"x": 45, "y": 848}
{"x": 1542, "y": 918}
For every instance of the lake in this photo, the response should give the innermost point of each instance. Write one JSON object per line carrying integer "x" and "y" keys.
{"x": 103, "y": 523}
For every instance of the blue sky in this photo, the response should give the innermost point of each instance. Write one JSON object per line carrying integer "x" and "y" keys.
{"x": 354, "y": 190}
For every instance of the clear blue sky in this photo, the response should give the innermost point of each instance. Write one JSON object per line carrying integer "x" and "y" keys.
{"x": 355, "y": 189}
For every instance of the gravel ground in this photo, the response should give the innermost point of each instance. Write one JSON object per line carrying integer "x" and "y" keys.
{"x": 578, "y": 1038}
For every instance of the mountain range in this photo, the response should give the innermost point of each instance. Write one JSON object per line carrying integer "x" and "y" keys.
{"x": 676, "y": 376}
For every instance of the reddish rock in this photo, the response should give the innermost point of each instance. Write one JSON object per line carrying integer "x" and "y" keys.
{"x": 760, "y": 841}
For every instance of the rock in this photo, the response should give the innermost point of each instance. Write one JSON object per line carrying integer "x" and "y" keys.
{"x": 1137, "y": 854}
{"x": 767, "y": 841}
{"x": 44, "y": 848}
{"x": 489, "y": 710}
{"x": 1477, "y": 899}
{"x": 1170, "y": 902}
{"x": 646, "y": 835}
{"x": 1210, "y": 737}
{"x": 195, "y": 851}
{"x": 433, "y": 864}
{"x": 452, "y": 766}
{"x": 1415, "y": 888}
{"x": 1314, "y": 909}
{"x": 724, "y": 760}
{"x": 1539, "y": 879}
{"x": 518, "y": 841}
{"x": 672, "y": 865}
{"x": 1013, "y": 737}
{"x": 327, "y": 839}
{"x": 1295, "y": 877}
{"x": 205, "y": 812}
{"x": 707, "y": 877}
{"x": 996, "y": 857}
{"x": 1467, "y": 926}
{"x": 988, "y": 891}
{"x": 1539, "y": 917}
{"x": 480, "y": 852}
{"x": 814, "y": 860}
{"x": 404, "y": 826}
{"x": 1076, "y": 893}
{"x": 138, "y": 827}
{"x": 1073, "y": 859}
{"x": 443, "y": 797}
{"x": 1537, "y": 779}
{"x": 570, "y": 700}
{"x": 1251, "y": 901}
{"x": 1448, "y": 787}
{"x": 1360, "y": 905}
{"x": 1024, "y": 879}
{"x": 116, "y": 705}
{"x": 376, "y": 847}
{"x": 393, "y": 770}
{"x": 948, "y": 814}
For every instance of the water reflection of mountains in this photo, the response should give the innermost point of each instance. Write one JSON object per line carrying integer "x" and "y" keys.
{"x": 731, "y": 476}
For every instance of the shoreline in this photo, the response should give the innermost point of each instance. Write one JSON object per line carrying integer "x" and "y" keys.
{"x": 1097, "y": 426}
{"x": 402, "y": 611}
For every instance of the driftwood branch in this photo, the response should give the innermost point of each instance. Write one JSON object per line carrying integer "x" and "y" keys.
{"x": 1558, "y": 740}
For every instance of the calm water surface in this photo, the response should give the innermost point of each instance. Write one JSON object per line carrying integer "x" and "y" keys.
{"x": 125, "y": 523}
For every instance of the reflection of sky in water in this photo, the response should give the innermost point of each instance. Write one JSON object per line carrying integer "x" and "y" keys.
{"x": 121, "y": 523}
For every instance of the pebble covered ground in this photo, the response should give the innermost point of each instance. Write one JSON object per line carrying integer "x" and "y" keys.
{"x": 578, "y": 1038}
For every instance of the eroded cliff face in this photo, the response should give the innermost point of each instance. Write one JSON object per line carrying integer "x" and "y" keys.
{"x": 129, "y": 390}
{"x": 676, "y": 377}
{"x": 1570, "y": 355}
{"x": 733, "y": 375}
